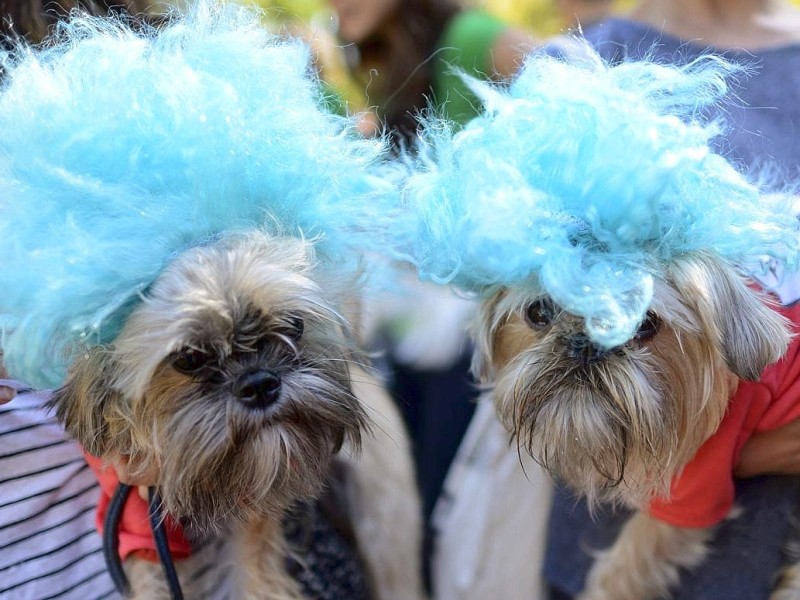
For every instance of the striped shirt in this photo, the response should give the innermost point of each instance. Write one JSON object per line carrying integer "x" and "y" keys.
{"x": 49, "y": 546}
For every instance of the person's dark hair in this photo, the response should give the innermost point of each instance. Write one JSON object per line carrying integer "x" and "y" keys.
{"x": 402, "y": 50}
{"x": 33, "y": 20}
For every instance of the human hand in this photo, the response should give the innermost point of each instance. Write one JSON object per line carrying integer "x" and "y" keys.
{"x": 7, "y": 394}
{"x": 369, "y": 124}
{"x": 775, "y": 452}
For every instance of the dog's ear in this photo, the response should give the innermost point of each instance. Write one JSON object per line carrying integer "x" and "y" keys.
{"x": 84, "y": 403}
{"x": 749, "y": 334}
{"x": 485, "y": 332}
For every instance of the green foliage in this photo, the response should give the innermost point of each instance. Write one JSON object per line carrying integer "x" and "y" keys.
{"x": 289, "y": 10}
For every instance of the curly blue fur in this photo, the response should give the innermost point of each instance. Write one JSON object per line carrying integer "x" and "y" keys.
{"x": 120, "y": 148}
{"x": 582, "y": 180}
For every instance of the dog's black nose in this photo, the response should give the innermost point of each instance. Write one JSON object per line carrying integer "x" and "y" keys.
{"x": 580, "y": 347}
{"x": 258, "y": 389}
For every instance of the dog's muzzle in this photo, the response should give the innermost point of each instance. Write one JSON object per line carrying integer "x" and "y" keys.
{"x": 581, "y": 347}
{"x": 258, "y": 389}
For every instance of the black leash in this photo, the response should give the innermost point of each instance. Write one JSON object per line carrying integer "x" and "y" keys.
{"x": 162, "y": 547}
{"x": 111, "y": 539}
{"x": 111, "y": 542}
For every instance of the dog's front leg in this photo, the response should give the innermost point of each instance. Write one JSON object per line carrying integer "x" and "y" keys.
{"x": 260, "y": 555}
{"x": 644, "y": 562}
{"x": 147, "y": 580}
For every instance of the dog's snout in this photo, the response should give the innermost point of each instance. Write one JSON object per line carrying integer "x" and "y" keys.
{"x": 258, "y": 389}
{"x": 580, "y": 347}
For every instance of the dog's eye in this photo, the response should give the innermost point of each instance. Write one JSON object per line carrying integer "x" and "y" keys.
{"x": 540, "y": 313}
{"x": 296, "y": 327}
{"x": 648, "y": 328}
{"x": 190, "y": 360}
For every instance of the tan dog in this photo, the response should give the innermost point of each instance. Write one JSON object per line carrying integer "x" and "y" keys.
{"x": 618, "y": 425}
{"x": 234, "y": 384}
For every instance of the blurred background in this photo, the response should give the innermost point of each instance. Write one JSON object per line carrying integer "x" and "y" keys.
{"x": 538, "y": 16}
{"x": 315, "y": 21}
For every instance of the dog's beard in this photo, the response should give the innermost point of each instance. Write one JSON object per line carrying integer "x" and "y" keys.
{"x": 247, "y": 306}
{"x": 617, "y": 430}
{"x": 223, "y": 461}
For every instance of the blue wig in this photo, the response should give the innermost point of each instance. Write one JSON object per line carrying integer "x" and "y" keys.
{"x": 120, "y": 148}
{"x": 582, "y": 180}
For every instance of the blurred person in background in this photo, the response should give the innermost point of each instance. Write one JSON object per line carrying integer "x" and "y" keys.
{"x": 580, "y": 14}
{"x": 406, "y": 53}
{"x": 408, "y": 56}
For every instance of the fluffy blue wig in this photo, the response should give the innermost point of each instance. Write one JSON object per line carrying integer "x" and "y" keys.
{"x": 582, "y": 180}
{"x": 120, "y": 148}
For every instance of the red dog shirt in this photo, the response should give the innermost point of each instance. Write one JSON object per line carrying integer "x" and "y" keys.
{"x": 703, "y": 493}
{"x": 135, "y": 535}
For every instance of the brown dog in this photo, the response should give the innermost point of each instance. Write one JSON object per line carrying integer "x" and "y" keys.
{"x": 234, "y": 384}
{"x": 620, "y": 424}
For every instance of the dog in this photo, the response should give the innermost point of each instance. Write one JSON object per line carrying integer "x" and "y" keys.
{"x": 194, "y": 296}
{"x": 606, "y": 240}
{"x": 619, "y": 424}
{"x": 240, "y": 358}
